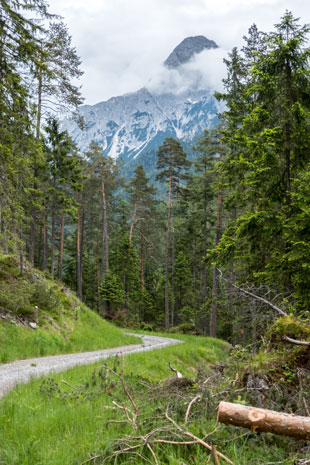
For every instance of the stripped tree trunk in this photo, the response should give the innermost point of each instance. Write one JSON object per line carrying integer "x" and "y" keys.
{"x": 258, "y": 419}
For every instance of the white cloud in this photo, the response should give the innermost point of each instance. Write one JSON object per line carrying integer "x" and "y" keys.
{"x": 123, "y": 43}
{"x": 205, "y": 71}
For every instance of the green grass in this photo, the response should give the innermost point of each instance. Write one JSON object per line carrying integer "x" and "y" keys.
{"x": 65, "y": 324}
{"x": 89, "y": 332}
{"x": 62, "y": 422}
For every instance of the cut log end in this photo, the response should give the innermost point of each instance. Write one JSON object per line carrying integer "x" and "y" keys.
{"x": 264, "y": 420}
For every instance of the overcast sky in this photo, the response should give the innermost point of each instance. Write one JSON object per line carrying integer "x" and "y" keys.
{"x": 122, "y": 43}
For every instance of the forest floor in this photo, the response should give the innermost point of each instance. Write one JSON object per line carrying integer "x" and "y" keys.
{"x": 22, "y": 371}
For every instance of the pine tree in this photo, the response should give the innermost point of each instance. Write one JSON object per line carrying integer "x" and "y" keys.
{"x": 172, "y": 163}
{"x": 267, "y": 151}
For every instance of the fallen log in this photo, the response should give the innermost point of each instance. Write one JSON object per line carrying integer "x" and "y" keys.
{"x": 259, "y": 419}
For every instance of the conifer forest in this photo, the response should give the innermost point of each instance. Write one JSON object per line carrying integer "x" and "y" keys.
{"x": 218, "y": 244}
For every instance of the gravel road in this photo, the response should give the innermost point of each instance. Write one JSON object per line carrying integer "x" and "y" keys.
{"x": 22, "y": 371}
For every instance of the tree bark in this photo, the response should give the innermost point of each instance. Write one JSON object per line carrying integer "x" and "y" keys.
{"x": 61, "y": 245}
{"x": 215, "y": 281}
{"x": 167, "y": 259}
{"x": 172, "y": 269}
{"x": 79, "y": 249}
{"x": 53, "y": 243}
{"x": 258, "y": 419}
{"x": 32, "y": 238}
{"x": 45, "y": 244}
{"x": 133, "y": 220}
{"x": 105, "y": 244}
{"x": 142, "y": 263}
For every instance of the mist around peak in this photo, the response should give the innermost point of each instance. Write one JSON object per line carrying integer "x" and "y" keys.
{"x": 204, "y": 71}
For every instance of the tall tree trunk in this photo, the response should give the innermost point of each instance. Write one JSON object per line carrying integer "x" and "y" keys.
{"x": 35, "y": 186}
{"x": 205, "y": 276}
{"x": 215, "y": 283}
{"x": 98, "y": 271}
{"x": 142, "y": 263}
{"x": 133, "y": 220}
{"x": 79, "y": 248}
{"x": 32, "y": 237}
{"x": 53, "y": 242}
{"x": 167, "y": 259}
{"x": 172, "y": 271}
{"x": 61, "y": 245}
{"x": 232, "y": 308}
{"x": 45, "y": 243}
{"x": 40, "y": 247}
{"x": 105, "y": 237}
{"x": 39, "y": 110}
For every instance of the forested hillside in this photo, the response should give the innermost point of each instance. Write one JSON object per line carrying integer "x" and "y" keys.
{"x": 223, "y": 250}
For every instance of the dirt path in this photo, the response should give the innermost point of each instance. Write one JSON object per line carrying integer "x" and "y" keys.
{"x": 22, "y": 371}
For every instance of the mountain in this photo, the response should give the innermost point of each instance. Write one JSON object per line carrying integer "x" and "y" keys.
{"x": 133, "y": 125}
{"x": 187, "y": 49}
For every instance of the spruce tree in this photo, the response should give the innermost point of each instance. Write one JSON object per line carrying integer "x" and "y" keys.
{"x": 172, "y": 165}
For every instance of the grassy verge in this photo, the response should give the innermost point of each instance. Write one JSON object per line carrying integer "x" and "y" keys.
{"x": 65, "y": 419}
{"x": 88, "y": 332}
{"x": 64, "y": 324}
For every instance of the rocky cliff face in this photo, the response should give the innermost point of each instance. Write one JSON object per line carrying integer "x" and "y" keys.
{"x": 132, "y": 125}
{"x": 187, "y": 49}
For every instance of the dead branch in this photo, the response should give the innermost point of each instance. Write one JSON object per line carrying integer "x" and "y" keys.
{"x": 215, "y": 456}
{"x": 295, "y": 341}
{"x": 189, "y": 408}
{"x": 257, "y": 297}
{"x": 199, "y": 441}
{"x": 153, "y": 453}
{"x": 306, "y": 406}
{"x": 178, "y": 374}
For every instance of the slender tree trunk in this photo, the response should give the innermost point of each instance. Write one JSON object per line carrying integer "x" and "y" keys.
{"x": 167, "y": 259}
{"x": 105, "y": 227}
{"x": 40, "y": 247}
{"x": 33, "y": 210}
{"x": 215, "y": 282}
{"x": 32, "y": 238}
{"x": 78, "y": 248}
{"x": 133, "y": 220}
{"x": 45, "y": 243}
{"x": 232, "y": 308}
{"x": 61, "y": 245}
{"x": 39, "y": 110}
{"x": 142, "y": 264}
{"x": 102, "y": 251}
{"x": 205, "y": 276}
{"x": 172, "y": 271}
{"x": 53, "y": 243}
{"x": 98, "y": 271}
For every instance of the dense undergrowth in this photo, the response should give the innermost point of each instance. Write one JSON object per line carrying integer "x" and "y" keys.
{"x": 64, "y": 323}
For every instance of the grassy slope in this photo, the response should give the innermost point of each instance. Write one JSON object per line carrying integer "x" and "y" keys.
{"x": 65, "y": 324}
{"x": 37, "y": 429}
{"x": 63, "y": 421}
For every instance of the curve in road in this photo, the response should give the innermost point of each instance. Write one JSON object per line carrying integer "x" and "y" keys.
{"x": 23, "y": 371}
